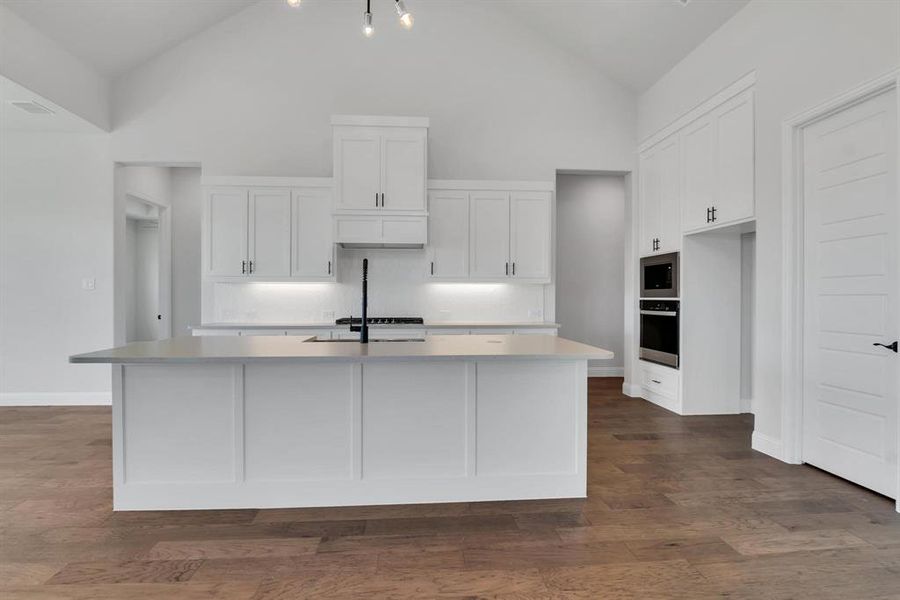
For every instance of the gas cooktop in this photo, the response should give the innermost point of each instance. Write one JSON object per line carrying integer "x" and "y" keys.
{"x": 381, "y": 321}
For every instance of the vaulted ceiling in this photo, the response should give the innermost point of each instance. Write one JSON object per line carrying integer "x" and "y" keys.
{"x": 633, "y": 42}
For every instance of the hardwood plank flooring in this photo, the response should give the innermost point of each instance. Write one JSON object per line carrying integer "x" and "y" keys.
{"x": 677, "y": 507}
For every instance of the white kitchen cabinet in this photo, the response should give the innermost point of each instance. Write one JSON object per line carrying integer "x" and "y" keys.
{"x": 529, "y": 235}
{"x": 718, "y": 168}
{"x": 403, "y": 158}
{"x": 226, "y": 232}
{"x": 448, "y": 235}
{"x": 313, "y": 245}
{"x": 489, "y": 235}
{"x": 660, "y": 174}
{"x": 734, "y": 199}
{"x": 380, "y": 163}
{"x": 698, "y": 179}
{"x": 269, "y": 239}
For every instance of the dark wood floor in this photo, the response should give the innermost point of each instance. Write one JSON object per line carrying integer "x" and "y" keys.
{"x": 677, "y": 508}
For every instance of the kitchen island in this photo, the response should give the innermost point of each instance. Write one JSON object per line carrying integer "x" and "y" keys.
{"x": 264, "y": 422}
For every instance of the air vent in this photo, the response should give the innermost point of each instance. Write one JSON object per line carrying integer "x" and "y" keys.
{"x": 31, "y": 106}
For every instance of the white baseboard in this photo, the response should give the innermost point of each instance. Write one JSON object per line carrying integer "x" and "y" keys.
{"x": 632, "y": 390}
{"x": 767, "y": 445}
{"x": 606, "y": 371}
{"x": 56, "y": 399}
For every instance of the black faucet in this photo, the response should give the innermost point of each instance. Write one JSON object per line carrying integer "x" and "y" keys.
{"x": 363, "y": 328}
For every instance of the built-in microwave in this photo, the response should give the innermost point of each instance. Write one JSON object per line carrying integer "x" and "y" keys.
{"x": 659, "y": 276}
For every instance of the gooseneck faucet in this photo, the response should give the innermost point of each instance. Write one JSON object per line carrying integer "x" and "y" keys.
{"x": 363, "y": 328}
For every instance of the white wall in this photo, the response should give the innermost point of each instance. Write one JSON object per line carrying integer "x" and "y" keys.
{"x": 55, "y": 230}
{"x": 803, "y": 53}
{"x": 33, "y": 60}
{"x": 253, "y": 95}
{"x": 590, "y": 275}
{"x": 187, "y": 212}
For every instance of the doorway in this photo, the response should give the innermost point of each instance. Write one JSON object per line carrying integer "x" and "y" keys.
{"x": 842, "y": 287}
{"x": 147, "y": 275}
{"x": 590, "y": 259}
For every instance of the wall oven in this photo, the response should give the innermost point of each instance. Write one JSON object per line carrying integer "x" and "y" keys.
{"x": 659, "y": 331}
{"x": 659, "y": 276}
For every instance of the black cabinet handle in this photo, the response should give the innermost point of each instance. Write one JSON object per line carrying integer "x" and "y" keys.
{"x": 382, "y": 199}
{"x": 514, "y": 269}
{"x": 655, "y": 381}
{"x": 507, "y": 269}
{"x": 329, "y": 267}
{"x": 888, "y": 346}
{"x": 714, "y": 214}
{"x": 251, "y": 267}
{"x": 708, "y": 215}
{"x": 243, "y": 267}
{"x": 376, "y": 199}
{"x": 432, "y": 267}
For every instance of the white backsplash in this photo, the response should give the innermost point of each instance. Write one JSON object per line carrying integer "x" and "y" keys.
{"x": 398, "y": 286}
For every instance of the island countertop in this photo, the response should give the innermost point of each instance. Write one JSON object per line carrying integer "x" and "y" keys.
{"x": 199, "y": 349}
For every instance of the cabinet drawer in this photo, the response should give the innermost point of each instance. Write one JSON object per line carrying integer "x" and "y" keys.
{"x": 659, "y": 380}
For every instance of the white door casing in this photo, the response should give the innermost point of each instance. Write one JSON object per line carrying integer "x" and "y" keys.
{"x": 850, "y": 386}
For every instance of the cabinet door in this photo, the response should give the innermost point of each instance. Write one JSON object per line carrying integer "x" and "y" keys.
{"x": 270, "y": 233}
{"x": 669, "y": 182}
{"x": 403, "y": 170}
{"x": 226, "y": 243}
{"x": 313, "y": 245}
{"x": 734, "y": 159}
{"x": 448, "y": 234}
{"x": 530, "y": 235}
{"x": 650, "y": 202}
{"x": 488, "y": 235}
{"x": 357, "y": 168}
{"x": 698, "y": 143}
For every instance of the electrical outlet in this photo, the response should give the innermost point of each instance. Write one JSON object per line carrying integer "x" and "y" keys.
{"x": 536, "y": 313}
{"x": 88, "y": 283}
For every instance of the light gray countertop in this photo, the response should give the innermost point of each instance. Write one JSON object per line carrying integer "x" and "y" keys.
{"x": 427, "y": 325}
{"x": 244, "y": 349}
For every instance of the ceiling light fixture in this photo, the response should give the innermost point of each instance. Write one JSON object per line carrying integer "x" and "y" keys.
{"x": 294, "y": 3}
{"x": 368, "y": 28}
{"x": 406, "y": 18}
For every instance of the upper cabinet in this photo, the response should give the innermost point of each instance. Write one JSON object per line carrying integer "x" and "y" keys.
{"x": 700, "y": 176}
{"x": 490, "y": 235}
{"x": 718, "y": 171}
{"x": 380, "y": 163}
{"x": 660, "y": 192}
{"x": 268, "y": 233}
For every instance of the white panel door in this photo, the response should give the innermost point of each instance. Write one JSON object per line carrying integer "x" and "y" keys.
{"x": 851, "y": 281}
{"x": 313, "y": 248}
{"x": 403, "y": 170}
{"x": 529, "y": 236}
{"x": 650, "y": 202}
{"x": 488, "y": 235}
{"x": 734, "y": 159}
{"x": 448, "y": 235}
{"x": 698, "y": 183}
{"x": 668, "y": 164}
{"x": 226, "y": 213}
{"x": 357, "y": 169}
{"x": 270, "y": 233}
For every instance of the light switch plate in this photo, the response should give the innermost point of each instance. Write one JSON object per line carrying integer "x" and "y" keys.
{"x": 88, "y": 283}
{"x": 536, "y": 313}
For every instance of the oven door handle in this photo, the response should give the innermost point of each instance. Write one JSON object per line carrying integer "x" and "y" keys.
{"x": 660, "y": 313}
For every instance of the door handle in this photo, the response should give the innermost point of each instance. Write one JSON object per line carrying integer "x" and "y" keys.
{"x": 888, "y": 346}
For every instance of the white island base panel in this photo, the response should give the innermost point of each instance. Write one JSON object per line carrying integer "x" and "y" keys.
{"x": 305, "y": 434}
